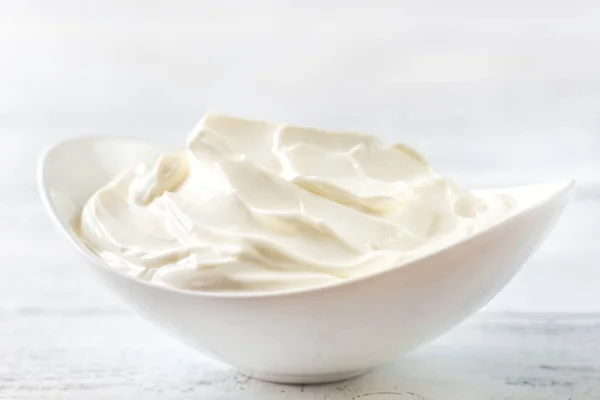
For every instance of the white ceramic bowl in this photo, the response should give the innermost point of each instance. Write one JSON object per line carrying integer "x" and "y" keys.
{"x": 312, "y": 335}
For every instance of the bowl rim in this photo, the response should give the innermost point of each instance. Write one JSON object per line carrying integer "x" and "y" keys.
{"x": 563, "y": 187}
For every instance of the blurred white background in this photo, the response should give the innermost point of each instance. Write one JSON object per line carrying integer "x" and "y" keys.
{"x": 493, "y": 92}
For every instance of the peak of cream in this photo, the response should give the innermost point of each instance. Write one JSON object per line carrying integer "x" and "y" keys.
{"x": 257, "y": 206}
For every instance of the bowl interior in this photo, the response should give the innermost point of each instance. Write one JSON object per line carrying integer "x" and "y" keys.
{"x": 70, "y": 172}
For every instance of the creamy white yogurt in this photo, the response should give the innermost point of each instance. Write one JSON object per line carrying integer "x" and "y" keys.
{"x": 257, "y": 206}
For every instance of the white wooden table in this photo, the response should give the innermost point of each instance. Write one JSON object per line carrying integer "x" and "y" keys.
{"x": 113, "y": 355}
{"x": 500, "y": 93}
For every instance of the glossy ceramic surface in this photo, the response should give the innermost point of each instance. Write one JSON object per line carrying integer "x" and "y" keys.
{"x": 313, "y": 335}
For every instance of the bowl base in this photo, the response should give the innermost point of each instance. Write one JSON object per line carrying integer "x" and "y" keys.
{"x": 308, "y": 379}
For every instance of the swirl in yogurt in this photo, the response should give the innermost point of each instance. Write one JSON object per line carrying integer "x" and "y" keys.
{"x": 257, "y": 206}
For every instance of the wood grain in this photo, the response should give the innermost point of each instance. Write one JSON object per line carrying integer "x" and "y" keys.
{"x": 105, "y": 355}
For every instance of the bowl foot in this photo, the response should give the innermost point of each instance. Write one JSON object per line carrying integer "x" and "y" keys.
{"x": 307, "y": 379}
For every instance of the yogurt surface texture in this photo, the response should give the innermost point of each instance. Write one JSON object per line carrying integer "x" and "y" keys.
{"x": 251, "y": 206}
